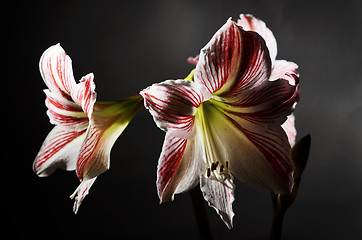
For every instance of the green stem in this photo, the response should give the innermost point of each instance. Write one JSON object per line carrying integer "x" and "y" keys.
{"x": 200, "y": 214}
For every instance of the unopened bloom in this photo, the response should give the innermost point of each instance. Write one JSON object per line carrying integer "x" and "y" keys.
{"x": 85, "y": 130}
{"x": 224, "y": 120}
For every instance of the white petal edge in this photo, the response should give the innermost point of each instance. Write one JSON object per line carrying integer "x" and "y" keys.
{"x": 250, "y": 23}
{"x": 220, "y": 196}
{"x": 81, "y": 192}
{"x": 59, "y": 150}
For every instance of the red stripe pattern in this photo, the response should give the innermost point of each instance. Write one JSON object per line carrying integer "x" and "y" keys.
{"x": 65, "y": 113}
{"x": 69, "y": 108}
{"x": 172, "y": 153}
{"x": 60, "y": 149}
{"x": 108, "y": 121}
{"x": 238, "y": 126}
{"x": 84, "y": 94}
{"x": 173, "y": 104}
{"x": 250, "y": 23}
{"x": 254, "y": 68}
{"x": 220, "y": 196}
{"x": 56, "y": 69}
{"x": 219, "y": 60}
{"x": 85, "y": 132}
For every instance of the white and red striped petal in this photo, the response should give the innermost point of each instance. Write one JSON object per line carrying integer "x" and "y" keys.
{"x": 250, "y": 23}
{"x": 219, "y": 61}
{"x": 180, "y": 166}
{"x": 56, "y": 69}
{"x": 109, "y": 119}
{"x": 220, "y": 196}
{"x": 69, "y": 104}
{"x": 81, "y": 192}
{"x": 172, "y": 153}
{"x": 258, "y": 154}
{"x": 257, "y": 115}
{"x": 254, "y": 69}
{"x": 173, "y": 104}
{"x": 192, "y": 165}
{"x": 84, "y": 95}
{"x": 268, "y": 104}
{"x": 59, "y": 150}
{"x": 65, "y": 113}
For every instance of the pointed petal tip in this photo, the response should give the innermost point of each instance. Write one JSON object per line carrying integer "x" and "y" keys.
{"x": 250, "y": 23}
{"x": 81, "y": 192}
{"x": 54, "y": 48}
{"x": 219, "y": 196}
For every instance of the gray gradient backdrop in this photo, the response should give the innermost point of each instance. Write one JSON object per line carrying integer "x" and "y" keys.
{"x": 129, "y": 45}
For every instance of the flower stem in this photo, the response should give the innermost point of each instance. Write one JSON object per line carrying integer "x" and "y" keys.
{"x": 278, "y": 216}
{"x": 200, "y": 214}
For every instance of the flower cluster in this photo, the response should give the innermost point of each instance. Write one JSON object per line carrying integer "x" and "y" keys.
{"x": 232, "y": 116}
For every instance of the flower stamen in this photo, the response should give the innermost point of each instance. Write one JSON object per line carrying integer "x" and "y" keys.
{"x": 218, "y": 171}
{"x": 214, "y": 165}
{"x": 208, "y": 172}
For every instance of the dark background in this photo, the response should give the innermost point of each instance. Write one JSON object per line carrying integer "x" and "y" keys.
{"x": 129, "y": 45}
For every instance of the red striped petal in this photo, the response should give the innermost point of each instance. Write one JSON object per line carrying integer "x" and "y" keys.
{"x": 81, "y": 192}
{"x": 84, "y": 95}
{"x": 69, "y": 104}
{"x": 180, "y": 166}
{"x": 219, "y": 60}
{"x": 255, "y": 65}
{"x": 172, "y": 153}
{"x": 251, "y": 23}
{"x": 220, "y": 196}
{"x": 261, "y": 157}
{"x": 257, "y": 114}
{"x": 192, "y": 166}
{"x": 64, "y": 112}
{"x": 109, "y": 119}
{"x": 269, "y": 103}
{"x": 173, "y": 104}
{"x": 59, "y": 150}
{"x": 56, "y": 69}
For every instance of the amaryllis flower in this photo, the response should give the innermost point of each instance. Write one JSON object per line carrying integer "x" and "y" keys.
{"x": 225, "y": 118}
{"x": 85, "y": 130}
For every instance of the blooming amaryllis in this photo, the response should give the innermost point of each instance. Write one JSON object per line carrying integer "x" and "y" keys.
{"x": 85, "y": 130}
{"x": 225, "y": 118}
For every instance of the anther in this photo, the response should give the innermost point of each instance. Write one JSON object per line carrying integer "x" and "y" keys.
{"x": 227, "y": 164}
{"x": 221, "y": 168}
{"x": 208, "y": 172}
{"x": 214, "y": 165}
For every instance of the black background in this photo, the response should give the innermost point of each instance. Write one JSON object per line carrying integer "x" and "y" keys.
{"x": 129, "y": 45}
